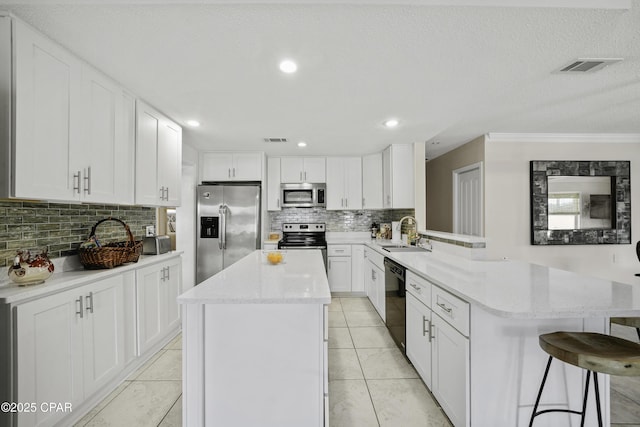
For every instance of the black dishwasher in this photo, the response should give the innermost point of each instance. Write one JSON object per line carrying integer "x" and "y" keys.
{"x": 395, "y": 303}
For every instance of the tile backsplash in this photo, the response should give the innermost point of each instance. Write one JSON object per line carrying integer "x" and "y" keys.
{"x": 336, "y": 220}
{"x": 62, "y": 227}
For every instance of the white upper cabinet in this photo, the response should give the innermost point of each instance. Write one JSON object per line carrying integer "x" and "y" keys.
{"x": 158, "y": 158}
{"x": 344, "y": 183}
{"x": 372, "y": 181}
{"x": 104, "y": 159}
{"x": 273, "y": 184}
{"x": 48, "y": 96}
{"x": 302, "y": 169}
{"x": 222, "y": 166}
{"x": 74, "y": 135}
{"x": 398, "y": 177}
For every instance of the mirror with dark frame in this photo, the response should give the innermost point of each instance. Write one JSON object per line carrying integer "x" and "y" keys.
{"x": 580, "y": 202}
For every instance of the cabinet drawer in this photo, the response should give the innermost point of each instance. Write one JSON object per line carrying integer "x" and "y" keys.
{"x": 376, "y": 258}
{"x": 451, "y": 308}
{"x": 419, "y": 288}
{"x": 339, "y": 250}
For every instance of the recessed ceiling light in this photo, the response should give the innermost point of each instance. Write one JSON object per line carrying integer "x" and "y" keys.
{"x": 288, "y": 66}
{"x": 391, "y": 123}
{"x": 193, "y": 123}
{"x": 302, "y": 144}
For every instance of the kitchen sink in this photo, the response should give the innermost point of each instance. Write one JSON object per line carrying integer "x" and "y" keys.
{"x": 400, "y": 248}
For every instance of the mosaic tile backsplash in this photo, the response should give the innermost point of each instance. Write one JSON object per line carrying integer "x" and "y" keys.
{"x": 338, "y": 220}
{"x": 62, "y": 227}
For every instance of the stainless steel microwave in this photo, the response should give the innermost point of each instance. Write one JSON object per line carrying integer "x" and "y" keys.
{"x": 302, "y": 195}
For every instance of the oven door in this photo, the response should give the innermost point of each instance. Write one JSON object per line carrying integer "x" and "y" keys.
{"x": 323, "y": 249}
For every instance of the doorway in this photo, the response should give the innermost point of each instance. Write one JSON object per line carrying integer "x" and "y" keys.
{"x": 468, "y": 200}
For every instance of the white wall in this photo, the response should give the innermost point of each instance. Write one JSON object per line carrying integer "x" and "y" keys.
{"x": 420, "y": 185}
{"x": 507, "y": 206}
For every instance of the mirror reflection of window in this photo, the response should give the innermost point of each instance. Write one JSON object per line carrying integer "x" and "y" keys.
{"x": 564, "y": 211}
{"x": 579, "y": 202}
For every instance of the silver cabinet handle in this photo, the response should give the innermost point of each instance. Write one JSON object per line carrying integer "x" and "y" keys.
{"x": 346, "y": 203}
{"x": 373, "y": 274}
{"x": 234, "y": 172}
{"x": 168, "y": 273}
{"x": 305, "y": 175}
{"x": 89, "y": 298}
{"x": 444, "y": 307}
{"x": 80, "y": 311}
{"x": 278, "y": 202}
{"x": 431, "y": 336}
{"x": 87, "y": 181}
{"x": 425, "y": 330}
{"x": 76, "y": 187}
{"x": 167, "y": 199}
{"x": 229, "y": 173}
{"x": 416, "y": 287}
{"x": 363, "y": 203}
{"x": 300, "y": 175}
{"x": 342, "y": 203}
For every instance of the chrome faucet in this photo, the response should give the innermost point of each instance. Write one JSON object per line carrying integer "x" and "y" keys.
{"x": 411, "y": 218}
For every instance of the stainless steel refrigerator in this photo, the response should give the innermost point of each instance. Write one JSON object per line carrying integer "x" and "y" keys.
{"x": 228, "y": 225}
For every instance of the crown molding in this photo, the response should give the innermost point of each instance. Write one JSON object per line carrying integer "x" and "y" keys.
{"x": 610, "y": 138}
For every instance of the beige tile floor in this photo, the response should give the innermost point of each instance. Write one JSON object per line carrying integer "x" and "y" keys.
{"x": 370, "y": 382}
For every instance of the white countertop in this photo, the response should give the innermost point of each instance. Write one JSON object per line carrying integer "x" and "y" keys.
{"x": 10, "y": 293}
{"x": 517, "y": 289}
{"x": 301, "y": 279}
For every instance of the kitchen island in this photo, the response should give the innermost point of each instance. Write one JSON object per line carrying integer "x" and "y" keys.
{"x": 473, "y": 327}
{"x": 255, "y": 344}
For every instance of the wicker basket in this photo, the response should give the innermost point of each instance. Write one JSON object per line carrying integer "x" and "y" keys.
{"x": 111, "y": 254}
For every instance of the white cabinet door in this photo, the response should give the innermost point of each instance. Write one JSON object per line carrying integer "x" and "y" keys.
{"x": 48, "y": 88}
{"x": 150, "y": 306}
{"x": 386, "y": 178}
{"x": 158, "y": 287}
{"x": 173, "y": 285}
{"x": 104, "y": 157}
{"x": 273, "y": 184}
{"x": 314, "y": 169}
{"x": 104, "y": 332}
{"x": 335, "y": 183}
{"x": 339, "y": 273}
{"x": 375, "y": 289}
{"x": 158, "y": 158}
{"x": 49, "y": 354}
{"x": 303, "y": 169}
{"x": 372, "y": 181}
{"x": 357, "y": 268}
{"x": 418, "y": 340}
{"x": 450, "y": 370}
{"x": 169, "y": 162}
{"x": 398, "y": 177}
{"x": 216, "y": 166}
{"x": 247, "y": 167}
{"x": 353, "y": 182}
{"x": 148, "y": 124}
{"x": 291, "y": 169}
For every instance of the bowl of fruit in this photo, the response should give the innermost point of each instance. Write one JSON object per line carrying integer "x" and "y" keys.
{"x": 274, "y": 257}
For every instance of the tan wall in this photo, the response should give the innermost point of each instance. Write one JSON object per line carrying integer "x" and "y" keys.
{"x": 440, "y": 182}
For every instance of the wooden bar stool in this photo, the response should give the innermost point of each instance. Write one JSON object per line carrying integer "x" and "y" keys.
{"x": 594, "y": 352}
{"x": 634, "y": 322}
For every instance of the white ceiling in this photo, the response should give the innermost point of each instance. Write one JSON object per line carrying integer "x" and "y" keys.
{"x": 449, "y": 74}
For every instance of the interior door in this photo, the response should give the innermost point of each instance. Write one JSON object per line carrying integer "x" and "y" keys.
{"x": 242, "y": 221}
{"x": 468, "y": 200}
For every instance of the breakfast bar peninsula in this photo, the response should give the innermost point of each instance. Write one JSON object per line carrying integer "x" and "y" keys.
{"x": 255, "y": 344}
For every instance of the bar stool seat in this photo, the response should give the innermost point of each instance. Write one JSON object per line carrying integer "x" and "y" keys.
{"x": 594, "y": 352}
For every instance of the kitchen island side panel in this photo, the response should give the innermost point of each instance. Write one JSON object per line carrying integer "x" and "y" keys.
{"x": 263, "y": 364}
{"x": 507, "y": 365}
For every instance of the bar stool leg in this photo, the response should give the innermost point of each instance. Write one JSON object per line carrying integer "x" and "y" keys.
{"x": 544, "y": 379}
{"x": 584, "y": 400}
{"x": 595, "y": 384}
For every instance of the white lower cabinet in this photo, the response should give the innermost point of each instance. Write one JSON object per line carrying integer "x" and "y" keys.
{"x": 68, "y": 346}
{"x": 374, "y": 281}
{"x": 339, "y": 268}
{"x": 157, "y": 288}
{"x": 439, "y": 351}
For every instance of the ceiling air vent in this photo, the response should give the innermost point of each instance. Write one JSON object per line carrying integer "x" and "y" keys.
{"x": 588, "y": 65}
{"x": 275, "y": 139}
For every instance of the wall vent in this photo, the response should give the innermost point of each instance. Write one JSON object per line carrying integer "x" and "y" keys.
{"x": 275, "y": 139}
{"x": 588, "y": 65}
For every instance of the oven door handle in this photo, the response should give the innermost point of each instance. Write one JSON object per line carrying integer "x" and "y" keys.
{"x": 302, "y": 247}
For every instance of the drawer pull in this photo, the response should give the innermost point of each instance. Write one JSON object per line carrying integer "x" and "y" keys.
{"x": 444, "y": 307}
{"x": 416, "y": 287}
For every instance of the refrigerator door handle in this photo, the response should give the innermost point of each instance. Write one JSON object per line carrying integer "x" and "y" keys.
{"x": 222, "y": 242}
